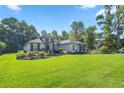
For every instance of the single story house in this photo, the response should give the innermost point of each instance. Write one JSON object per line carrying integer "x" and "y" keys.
{"x": 67, "y": 45}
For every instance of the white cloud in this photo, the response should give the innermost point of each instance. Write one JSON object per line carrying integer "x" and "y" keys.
{"x": 113, "y": 9}
{"x": 102, "y": 11}
{"x": 70, "y": 22}
{"x": 87, "y": 6}
{"x": 14, "y": 7}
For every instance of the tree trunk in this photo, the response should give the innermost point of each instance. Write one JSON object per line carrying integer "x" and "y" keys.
{"x": 118, "y": 34}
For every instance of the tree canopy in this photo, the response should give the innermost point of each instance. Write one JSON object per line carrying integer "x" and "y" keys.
{"x": 15, "y": 33}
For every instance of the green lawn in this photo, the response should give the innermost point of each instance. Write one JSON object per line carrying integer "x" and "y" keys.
{"x": 63, "y": 71}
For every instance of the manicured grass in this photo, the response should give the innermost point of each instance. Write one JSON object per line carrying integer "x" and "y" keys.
{"x": 63, "y": 71}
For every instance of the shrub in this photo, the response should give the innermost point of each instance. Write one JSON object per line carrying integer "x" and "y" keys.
{"x": 41, "y": 54}
{"x": 95, "y": 52}
{"x": 25, "y": 51}
{"x": 36, "y": 54}
{"x": 31, "y": 54}
{"x": 2, "y": 45}
{"x": 46, "y": 53}
{"x": 60, "y": 50}
{"x": 88, "y": 51}
{"x": 104, "y": 49}
{"x": 20, "y": 54}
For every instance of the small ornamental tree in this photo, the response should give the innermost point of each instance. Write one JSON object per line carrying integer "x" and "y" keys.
{"x": 2, "y": 46}
{"x": 104, "y": 49}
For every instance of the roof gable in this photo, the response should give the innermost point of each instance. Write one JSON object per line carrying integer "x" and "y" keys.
{"x": 34, "y": 41}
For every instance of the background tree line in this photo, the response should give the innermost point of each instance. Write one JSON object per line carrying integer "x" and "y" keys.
{"x": 112, "y": 25}
{"x": 14, "y": 33}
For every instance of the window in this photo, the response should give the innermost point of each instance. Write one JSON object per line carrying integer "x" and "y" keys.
{"x": 74, "y": 48}
{"x": 35, "y": 48}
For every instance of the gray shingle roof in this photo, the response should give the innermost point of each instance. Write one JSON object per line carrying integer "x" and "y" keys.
{"x": 68, "y": 41}
{"x": 34, "y": 41}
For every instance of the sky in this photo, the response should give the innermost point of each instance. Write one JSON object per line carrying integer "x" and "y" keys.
{"x": 53, "y": 17}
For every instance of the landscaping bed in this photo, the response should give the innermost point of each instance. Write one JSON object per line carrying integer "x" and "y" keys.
{"x": 24, "y": 55}
{"x": 31, "y": 55}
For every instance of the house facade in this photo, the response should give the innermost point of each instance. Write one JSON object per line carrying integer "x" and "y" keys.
{"x": 67, "y": 45}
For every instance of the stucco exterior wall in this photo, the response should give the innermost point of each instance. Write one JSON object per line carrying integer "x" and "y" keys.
{"x": 27, "y": 47}
{"x": 55, "y": 46}
{"x": 66, "y": 47}
{"x": 69, "y": 47}
{"x": 50, "y": 46}
{"x": 42, "y": 46}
